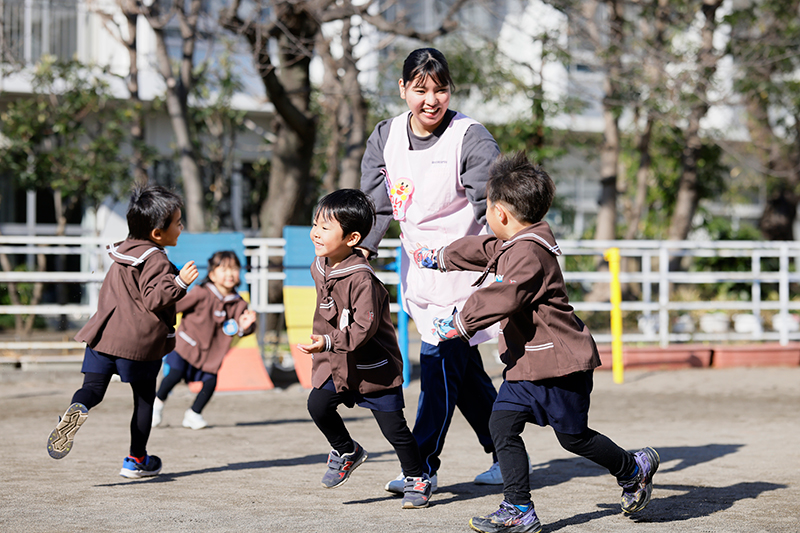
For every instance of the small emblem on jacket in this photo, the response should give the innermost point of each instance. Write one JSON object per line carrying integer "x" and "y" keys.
{"x": 499, "y": 278}
{"x": 230, "y": 327}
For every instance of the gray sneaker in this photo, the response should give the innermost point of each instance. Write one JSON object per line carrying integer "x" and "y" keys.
{"x": 417, "y": 492}
{"x": 398, "y": 484}
{"x": 340, "y": 467}
{"x": 59, "y": 443}
{"x": 636, "y": 491}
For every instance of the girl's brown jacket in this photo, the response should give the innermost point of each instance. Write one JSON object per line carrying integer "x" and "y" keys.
{"x": 200, "y": 339}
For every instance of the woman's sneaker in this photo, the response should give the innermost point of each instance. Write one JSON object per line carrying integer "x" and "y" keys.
{"x": 507, "y": 519}
{"x": 636, "y": 491}
{"x": 341, "y": 466}
{"x": 158, "y": 412}
{"x": 133, "y": 469}
{"x": 59, "y": 443}
{"x": 417, "y": 492}
{"x": 194, "y": 420}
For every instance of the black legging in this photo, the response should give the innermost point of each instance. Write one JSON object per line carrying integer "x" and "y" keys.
{"x": 322, "y": 406}
{"x": 507, "y": 426}
{"x": 144, "y": 393}
{"x": 205, "y": 394}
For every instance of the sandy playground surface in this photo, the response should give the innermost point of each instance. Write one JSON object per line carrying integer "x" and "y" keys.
{"x": 728, "y": 440}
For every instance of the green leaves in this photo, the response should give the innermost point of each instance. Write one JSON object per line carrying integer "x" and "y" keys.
{"x": 67, "y": 135}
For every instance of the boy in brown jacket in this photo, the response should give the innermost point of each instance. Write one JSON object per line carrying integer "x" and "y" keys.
{"x": 356, "y": 359}
{"x": 548, "y": 352}
{"x": 134, "y": 326}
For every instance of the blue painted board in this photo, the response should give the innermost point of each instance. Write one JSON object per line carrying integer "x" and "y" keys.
{"x": 199, "y": 247}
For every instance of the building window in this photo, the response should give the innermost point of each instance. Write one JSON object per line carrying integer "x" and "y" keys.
{"x": 33, "y": 28}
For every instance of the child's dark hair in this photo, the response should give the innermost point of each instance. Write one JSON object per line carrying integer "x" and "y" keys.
{"x": 424, "y": 63}
{"x": 221, "y": 258}
{"x": 151, "y": 207}
{"x": 525, "y": 188}
{"x": 351, "y": 208}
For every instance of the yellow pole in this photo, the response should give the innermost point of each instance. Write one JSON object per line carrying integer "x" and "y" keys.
{"x": 612, "y": 256}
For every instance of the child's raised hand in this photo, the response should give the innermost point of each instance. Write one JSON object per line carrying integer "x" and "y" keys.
{"x": 444, "y": 328}
{"x": 426, "y": 257}
{"x": 189, "y": 273}
{"x": 247, "y": 319}
{"x": 317, "y": 345}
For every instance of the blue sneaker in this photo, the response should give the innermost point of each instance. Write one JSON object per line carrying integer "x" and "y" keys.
{"x": 133, "y": 469}
{"x": 636, "y": 491}
{"x": 507, "y": 519}
{"x": 59, "y": 443}
{"x": 340, "y": 467}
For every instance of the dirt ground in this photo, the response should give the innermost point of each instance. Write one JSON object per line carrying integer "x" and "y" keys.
{"x": 728, "y": 441}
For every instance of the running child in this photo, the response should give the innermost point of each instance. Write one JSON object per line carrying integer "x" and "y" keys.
{"x": 356, "y": 359}
{"x": 548, "y": 352}
{"x": 134, "y": 326}
{"x": 212, "y": 314}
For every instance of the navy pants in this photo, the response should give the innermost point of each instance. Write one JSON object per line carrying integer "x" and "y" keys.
{"x": 452, "y": 375}
{"x": 507, "y": 427}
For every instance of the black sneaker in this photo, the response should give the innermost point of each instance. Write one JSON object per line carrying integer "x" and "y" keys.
{"x": 340, "y": 467}
{"x": 59, "y": 443}
{"x": 133, "y": 469}
{"x": 636, "y": 491}
{"x": 417, "y": 492}
{"x": 507, "y": 519}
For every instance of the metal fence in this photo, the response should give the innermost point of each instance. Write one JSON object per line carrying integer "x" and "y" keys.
{"x": 766, "y": 269}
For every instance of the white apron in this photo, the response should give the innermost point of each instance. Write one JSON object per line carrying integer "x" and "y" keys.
{"x": 433, "y": 210}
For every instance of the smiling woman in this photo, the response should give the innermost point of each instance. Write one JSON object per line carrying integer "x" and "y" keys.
{"x": 427, "y": 168}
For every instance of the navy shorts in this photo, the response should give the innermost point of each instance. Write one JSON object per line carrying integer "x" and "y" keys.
{"x": 187, "y": 372}
{"x": 562, "y": 403}
{"x": 385, "y": 401}
{"x": 129, "y": 371}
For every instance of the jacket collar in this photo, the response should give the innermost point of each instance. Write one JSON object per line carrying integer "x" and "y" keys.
{"x": 211, "y": 287}
{"x": 133, "y": 252}
{"x": 352, "y": 263}
{"x": 540, "y": 233}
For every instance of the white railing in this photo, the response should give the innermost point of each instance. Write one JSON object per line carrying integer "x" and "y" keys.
{"x": 652, "y": 278}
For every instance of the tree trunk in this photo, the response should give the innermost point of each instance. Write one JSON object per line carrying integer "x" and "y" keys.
{"x": 688, "y": 194}
{"x": 137, "y": 125}
{"x": 178, "y": 89}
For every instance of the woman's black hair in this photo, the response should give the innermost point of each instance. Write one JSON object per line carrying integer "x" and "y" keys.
{"x": 151, "y": 207}
{"x": 351, "y": 208}
{"x": 220, "y": 258}
{"x": 424, "y": 63}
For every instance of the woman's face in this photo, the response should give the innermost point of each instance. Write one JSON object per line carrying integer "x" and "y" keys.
{"x": 428, "y": 103}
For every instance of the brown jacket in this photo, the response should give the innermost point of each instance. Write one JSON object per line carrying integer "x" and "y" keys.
{"x": 361, "y": 352}
{"x": 200, "y": 339}
{"x": 135, "y": 316}
{"x": 540, "y": 335}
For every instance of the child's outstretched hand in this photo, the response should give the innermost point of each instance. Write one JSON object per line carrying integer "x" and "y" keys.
{"x": 247, "y": 319}
{"x": 317, "y": 345}
{"x": 425, "y": 257}
{"x": 444, "y": 328}
{"x": 189, "y": 273}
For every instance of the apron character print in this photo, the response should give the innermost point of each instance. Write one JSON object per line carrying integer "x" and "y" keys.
{"x": 400, "y": 194}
